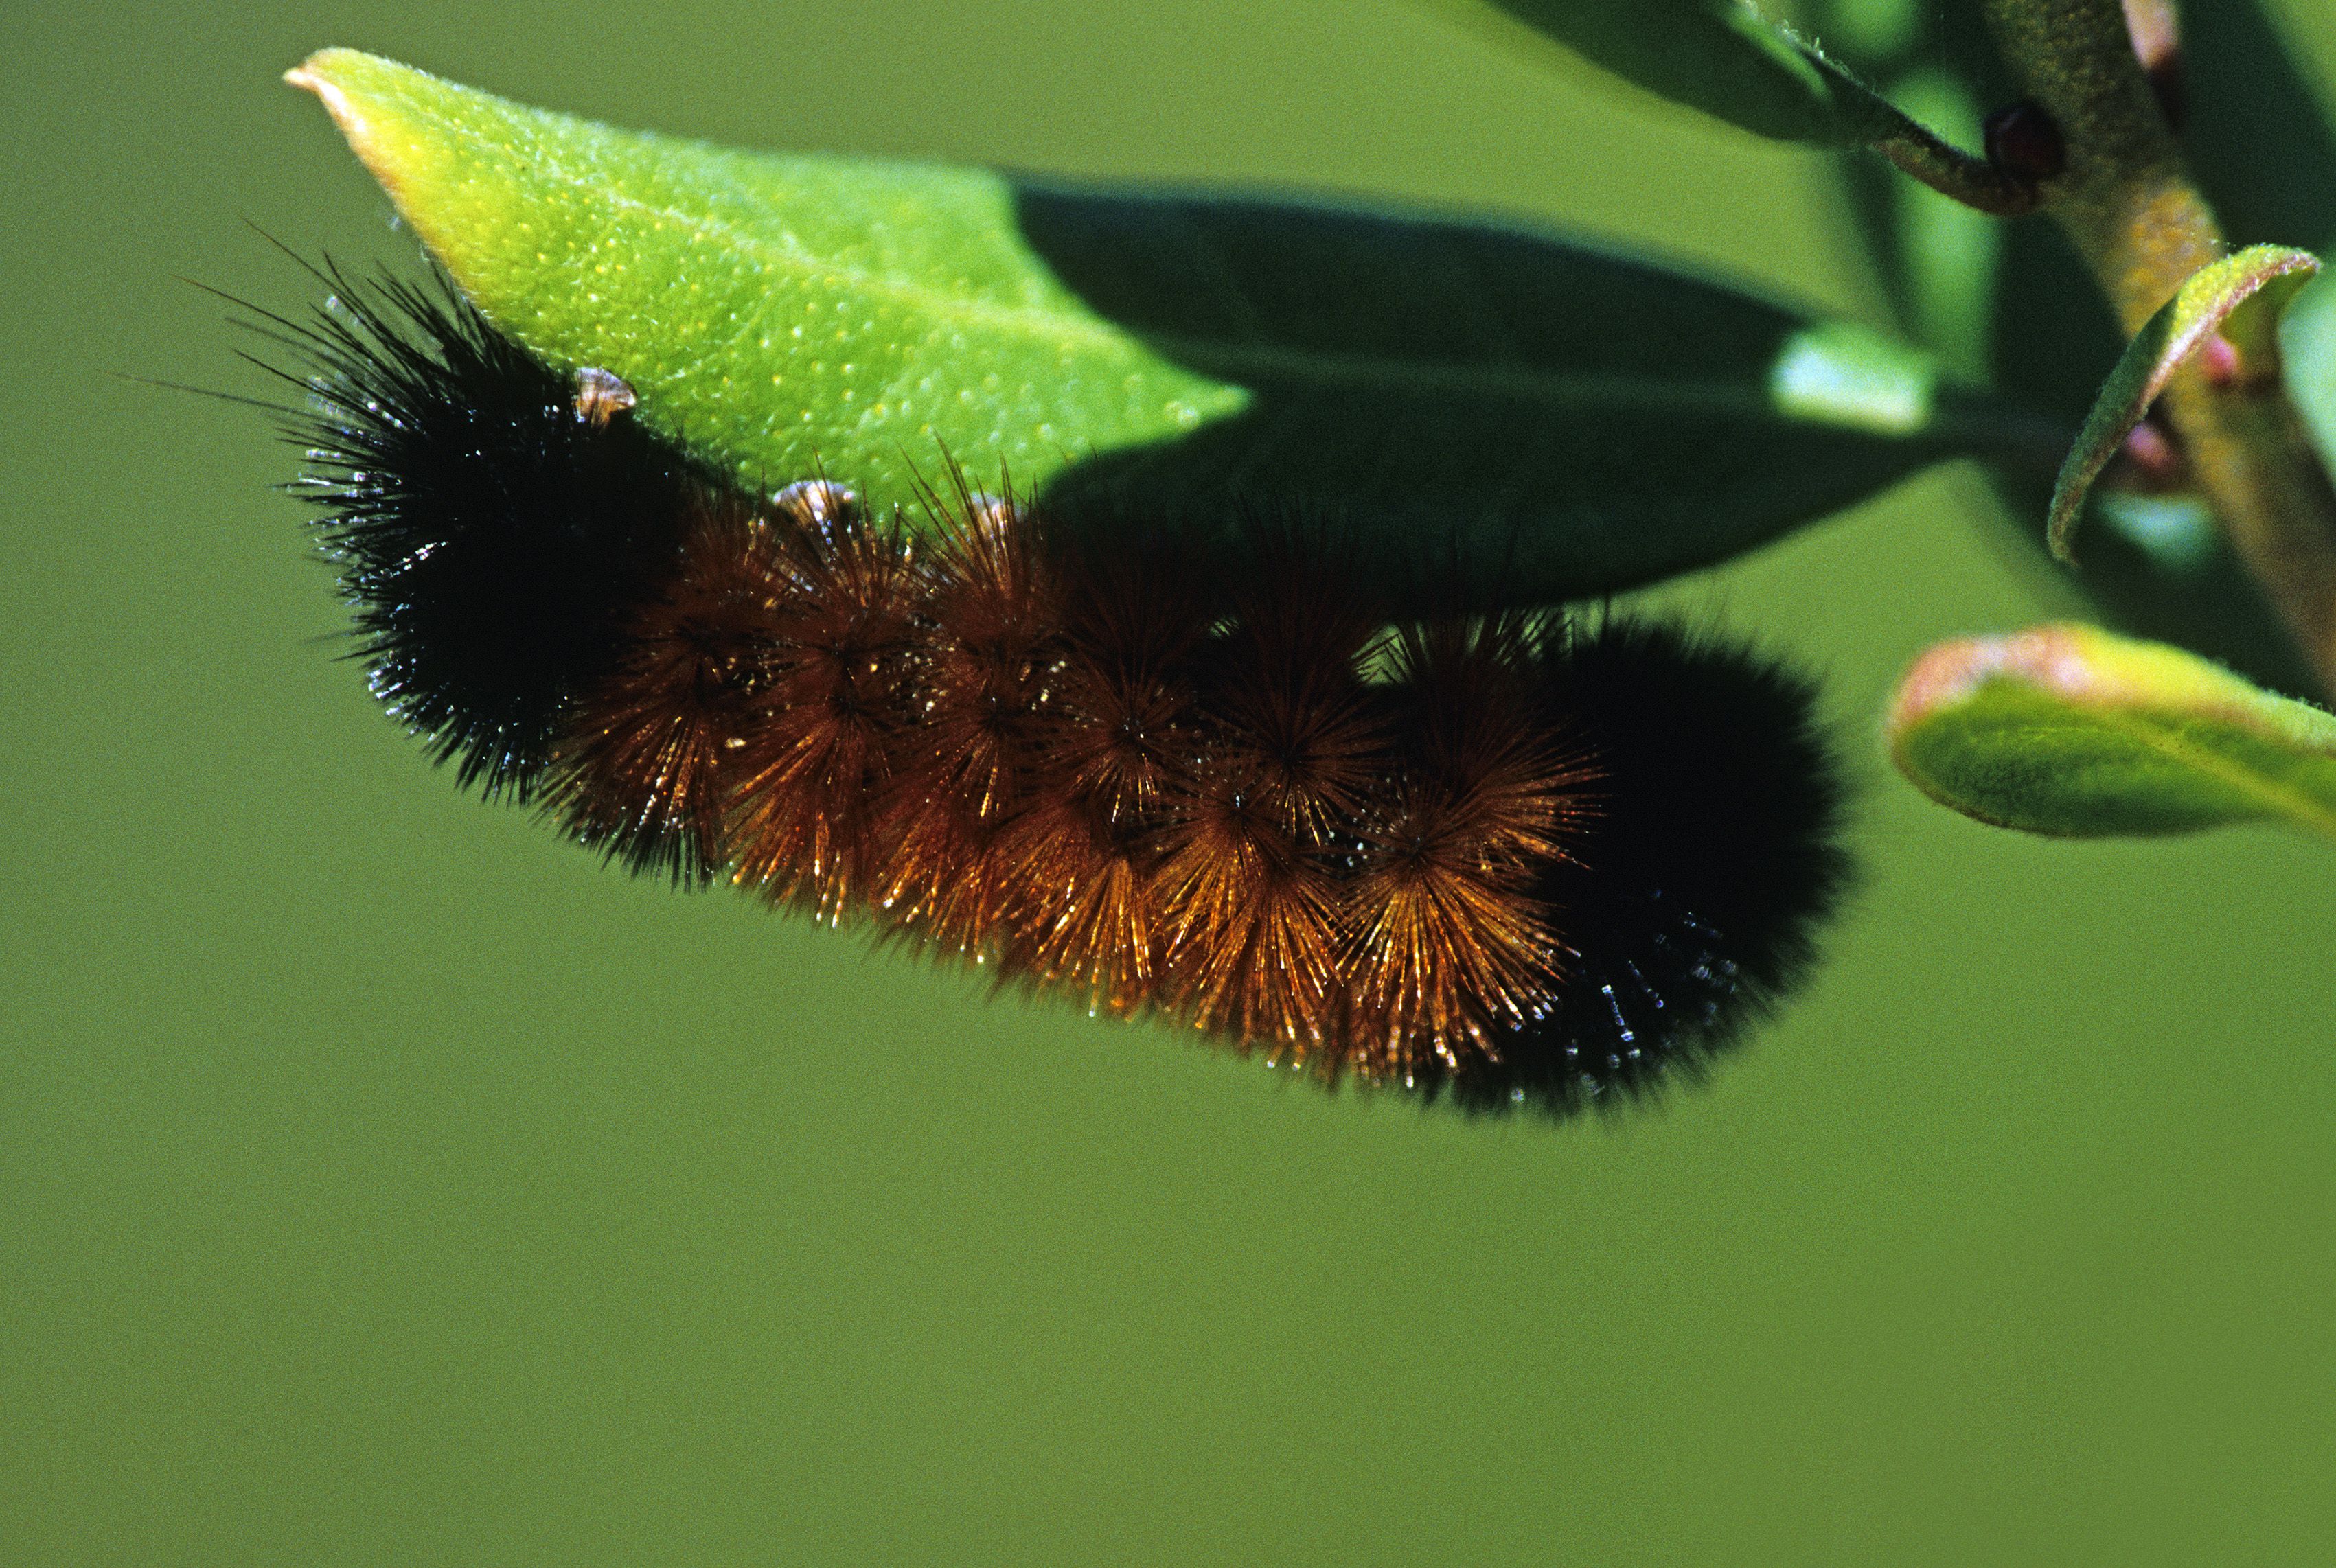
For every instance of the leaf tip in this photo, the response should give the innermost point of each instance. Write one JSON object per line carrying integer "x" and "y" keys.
{"x": 317, "y": 74}
{"x": 328, "y": 74}
{"x": 1948, "y": 672}
{"x": 2069, "y": 493}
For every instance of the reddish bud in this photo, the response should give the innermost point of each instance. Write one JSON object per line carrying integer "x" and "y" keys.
{"x": 2218, "y": 361}
{"x": 2152, "y": 455}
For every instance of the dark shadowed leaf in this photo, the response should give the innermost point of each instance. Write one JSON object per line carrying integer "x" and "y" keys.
{"x": 2256, "y": 135}
{"x": 1581, "y": 420}
{"x": 2070, "y": 731}
{"x": 1574, "y": 420}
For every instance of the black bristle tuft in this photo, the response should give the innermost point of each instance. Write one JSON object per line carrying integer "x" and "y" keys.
{"x": 1689, "y": 901}
{"x": 492, "y": 534}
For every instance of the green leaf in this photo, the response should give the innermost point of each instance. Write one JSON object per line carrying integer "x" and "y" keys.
{"x": 2256, "y": 136}
{"x": 1562, "y": 420}
{"x": 2207, "y": 304}
{"x": 783, "y": 312}
{"x": 1573, "y": 421}
{"x": 2070, "y": 731}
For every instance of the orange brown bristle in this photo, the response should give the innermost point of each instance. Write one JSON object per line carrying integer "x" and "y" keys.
{"x": 971, "y": 721}
{"x": 1449, "y": 947}
{"x": 1083, "y": 858}
{"x": 647, "y": 776}
{"x": 1249, "y": 924}
{"x": 1500, "y": 859}
{"x": 819, "y": 746}
{"x": 1084, "y": 902}
{"x": 1227, "y": 824}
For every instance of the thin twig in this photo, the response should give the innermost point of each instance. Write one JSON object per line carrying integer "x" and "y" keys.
{"x": 1950, "y": 172}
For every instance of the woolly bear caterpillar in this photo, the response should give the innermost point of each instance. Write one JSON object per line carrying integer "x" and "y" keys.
{"x": 1509, "y": 859}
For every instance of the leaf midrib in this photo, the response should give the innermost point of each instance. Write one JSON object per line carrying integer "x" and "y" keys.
{"x": 1556, "y": 388}
{"x": 1031, "y": 321}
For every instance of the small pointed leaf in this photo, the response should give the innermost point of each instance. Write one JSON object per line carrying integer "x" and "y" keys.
{"x": 2070, "y": 731}
{"x": 1725, "y": 59}
{"x": 1575, "y": 422}
{"x": 2209, "y": 304}
{"x": 1719, "y": 56}
{"x": 1710, "y": 55}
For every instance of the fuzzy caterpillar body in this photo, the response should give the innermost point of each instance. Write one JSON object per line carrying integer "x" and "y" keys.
{"x": 1514, "y": 859}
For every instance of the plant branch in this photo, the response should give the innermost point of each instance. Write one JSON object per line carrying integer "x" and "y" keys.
{"x": 2125, "y": 200}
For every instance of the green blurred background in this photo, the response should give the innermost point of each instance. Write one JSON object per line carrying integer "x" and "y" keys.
{"x": 384, "y": 1182}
